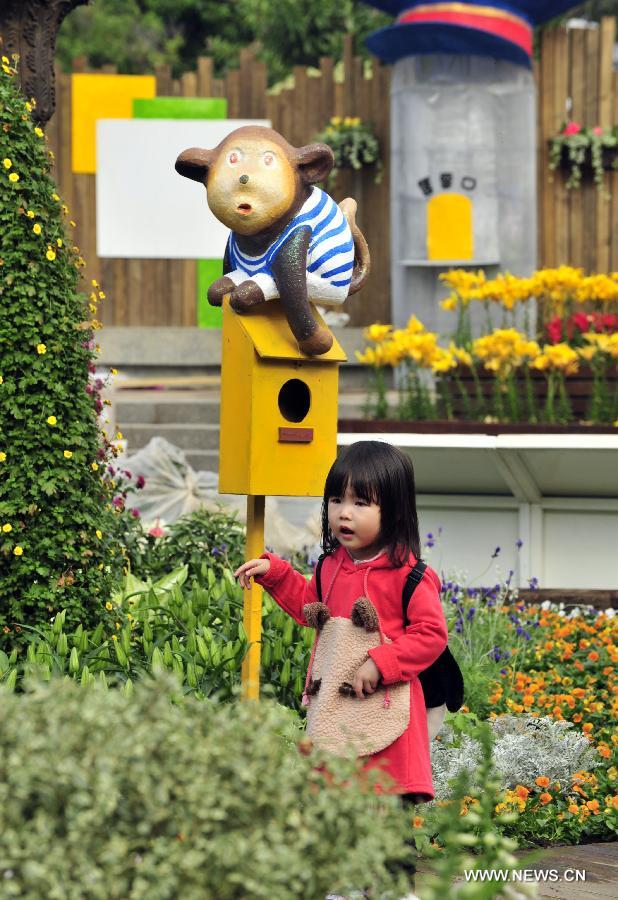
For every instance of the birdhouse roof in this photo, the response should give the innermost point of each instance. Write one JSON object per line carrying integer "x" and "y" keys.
{"x": 268, "y": 330}
{"x": 502, "y": 30}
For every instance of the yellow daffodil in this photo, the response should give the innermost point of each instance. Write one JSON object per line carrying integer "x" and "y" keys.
{"x": 38, "y": 131}
{"x": 18, "y": 551}
{"x": 7, "y": 527}
{"x": 41, "y": 349}
{"x": 14, "y": 177}
{"x": 52, "y": 420}
{"x": 50, "y": 254}
{"x": 30, "y": 214}
{"x": 36, "y": 228}
{"x": 377, "y": 332}
{"x": 5, "y": 60}
{"x": 68, "y": 454}
{"x": 7, "y": 163}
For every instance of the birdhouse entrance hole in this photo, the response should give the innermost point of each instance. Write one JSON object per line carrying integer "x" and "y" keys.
{"x": 294, "y": 400}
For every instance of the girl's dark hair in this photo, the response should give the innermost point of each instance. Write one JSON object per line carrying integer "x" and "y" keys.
{"x": 377, "y": 473}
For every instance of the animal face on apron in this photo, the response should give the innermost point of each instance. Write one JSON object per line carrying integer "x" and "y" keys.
{"x": 337, "y": 720}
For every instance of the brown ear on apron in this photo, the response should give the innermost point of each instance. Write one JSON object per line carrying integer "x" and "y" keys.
{"x": 336, "y": 719}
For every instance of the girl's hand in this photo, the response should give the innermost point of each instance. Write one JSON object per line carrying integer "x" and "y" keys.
{"x": 250, "y": 569}
{"x": 366, "y": 679}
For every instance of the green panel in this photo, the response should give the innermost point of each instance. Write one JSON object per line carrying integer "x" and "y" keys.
{"x": 208, "y": 270}
{"x": 180, "y": 108}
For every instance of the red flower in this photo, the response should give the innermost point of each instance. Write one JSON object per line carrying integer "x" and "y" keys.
{"x": 571, "y": 128}
{"x": 554, "y": 330}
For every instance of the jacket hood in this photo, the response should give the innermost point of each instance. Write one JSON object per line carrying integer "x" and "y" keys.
{"x": 381, "y": 562}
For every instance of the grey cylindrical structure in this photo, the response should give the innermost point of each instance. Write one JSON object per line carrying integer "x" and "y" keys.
{"x": 466, "y": 125}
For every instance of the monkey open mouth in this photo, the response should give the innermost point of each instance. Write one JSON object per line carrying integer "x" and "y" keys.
{"x": 244, "y": 209}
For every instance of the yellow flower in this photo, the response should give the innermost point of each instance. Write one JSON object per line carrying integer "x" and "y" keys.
{"x": 114, "y": 637}
{"x": 99, "y": 534}
{"x": 73, "y": 224}
{"x": 94, "y": 282}
{"x": 2, "y": 456}
{"x": 377, "y": 333}
{"x": 52, "y": 420}
{"x": 7, "y": 527}
{"x": 101, "y": 295}
{"x": 68, "y": 454}
{"x": 59, "y": 242}
{"x": 30, "y": 214}
{"x": 41, "y": 348}
{"x": 336, "y": 120}
{"x": 18, "y": 551}
{"x": 50, "y": 254}
{"x": 13, "y": 177}
{"x": 113, "y": 371}
{"x": 36, "y": 228}
{"x": 28, "y": 106}
{"x": 108, "y": 605}
{"x": 450, "y": 303}
{"x": 94, "y": 466}
{"x": 5, "y": 60}
{"x": 55, "y": 197}
{"x": 38, "y": 131}
{"x": 7, "y": 163}
{"x": 119, "y": 435}
{"x": 1, "y": 380}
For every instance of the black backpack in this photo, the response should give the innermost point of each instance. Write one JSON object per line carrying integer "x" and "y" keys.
{"x": 442, "y": 682}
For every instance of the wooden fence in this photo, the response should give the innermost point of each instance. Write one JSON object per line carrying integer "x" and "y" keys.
{"x": 163, "y": 292}
{"x": 578, "y": 227}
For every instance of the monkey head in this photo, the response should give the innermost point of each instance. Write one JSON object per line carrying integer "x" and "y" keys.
{"x": 254, "y": 178}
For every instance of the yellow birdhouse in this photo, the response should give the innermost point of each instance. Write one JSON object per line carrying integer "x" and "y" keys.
{"x": 278, "y": 432}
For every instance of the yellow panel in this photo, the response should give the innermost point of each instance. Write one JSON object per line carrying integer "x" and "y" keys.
{"x": 101, "y": 97}
{"x": 238, "y": 359}
{"x": 449, "y": 227}
{"x": 292, "y": 469}
{"x": 268, "y": 328}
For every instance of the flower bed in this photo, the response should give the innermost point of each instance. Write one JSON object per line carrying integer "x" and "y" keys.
{"x": 566, "y": 373}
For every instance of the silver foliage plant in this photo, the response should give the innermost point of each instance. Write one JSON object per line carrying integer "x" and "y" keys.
{"x": 525, "y": 748}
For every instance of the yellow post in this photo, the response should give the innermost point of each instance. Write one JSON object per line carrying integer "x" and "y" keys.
{"x": 252, "y": 613}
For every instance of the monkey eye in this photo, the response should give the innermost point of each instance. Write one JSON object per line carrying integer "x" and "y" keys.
{"x": 234, "y": 157}
{"x": 269, "y": 159}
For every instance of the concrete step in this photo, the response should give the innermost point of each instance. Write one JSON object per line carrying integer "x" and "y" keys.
{"x": 186, "y": 436}
{"x": 169, "y": 411}
{"x": 203, "y": 460}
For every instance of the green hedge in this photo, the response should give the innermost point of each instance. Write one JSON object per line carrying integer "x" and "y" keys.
{"x": 120, "y": 798}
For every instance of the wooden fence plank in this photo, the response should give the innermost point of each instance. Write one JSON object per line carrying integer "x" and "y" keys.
{"x": 560, "y": 94}
{"x": 588, "y": 188}
{"x": 606, "y": 104}
{"x": 578, "y": 114}
{"x": 613, "y": 186}
{"x": 188, "y": 84}
{"x": 204, "y": 76}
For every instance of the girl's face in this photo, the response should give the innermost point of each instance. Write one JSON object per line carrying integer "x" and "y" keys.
{"x": 355, "y": 523}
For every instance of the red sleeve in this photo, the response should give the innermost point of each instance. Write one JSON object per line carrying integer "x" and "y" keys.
{"x": 287, "y": 587}
{"x": 424, "y": 640}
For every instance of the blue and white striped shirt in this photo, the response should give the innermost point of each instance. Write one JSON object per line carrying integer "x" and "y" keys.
{"x": 331, "y": 248}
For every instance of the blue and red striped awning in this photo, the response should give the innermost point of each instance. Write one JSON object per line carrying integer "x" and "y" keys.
{"x": 501, "y": 30}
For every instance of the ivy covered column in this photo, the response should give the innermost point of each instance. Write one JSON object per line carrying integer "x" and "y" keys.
{"x": 29, "y": 28}
{"x": 57, "y": 520}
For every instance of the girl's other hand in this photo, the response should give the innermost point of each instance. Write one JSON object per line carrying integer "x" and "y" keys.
{"x": 250, "y": 569}
{"x": 366, "y": 679}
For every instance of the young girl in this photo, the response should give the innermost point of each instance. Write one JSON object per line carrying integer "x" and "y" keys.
{"x": 370, "y": 533}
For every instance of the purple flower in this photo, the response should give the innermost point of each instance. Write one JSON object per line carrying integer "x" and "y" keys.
{"x": 135, "y": 513}
{"x": 503, "y": 671}
{"x": 490, "y": 603}
{"x": 533, "y": 583}
{"x": 118, "y": 502}
{"x": 127, "y": 473}
{"x": 495, "y": 553}
{"x": 140, "y": 481}
{"x": 519, "y": 544}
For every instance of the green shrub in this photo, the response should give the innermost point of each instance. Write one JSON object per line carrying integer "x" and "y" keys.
{"x": 140, "y": 798}
{"x": 195, "y": 632}
{"x": 55, "y": 514}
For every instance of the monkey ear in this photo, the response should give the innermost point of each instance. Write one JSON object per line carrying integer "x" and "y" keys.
{"x": 195, "y": 163}
{"x": 314, "y": 162}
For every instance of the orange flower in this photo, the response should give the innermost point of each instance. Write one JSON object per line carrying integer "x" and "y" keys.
{"x": 593, "y": 656}
{"x": 547, "y": 798}
{"x": 573, "y": 808}
{"x": 587, "y": 728}
{"x": 593, "y": 805}
{"x": 522, "y": 792}
{"x": 542, "y": 781}
{"x": 417, "y": 821}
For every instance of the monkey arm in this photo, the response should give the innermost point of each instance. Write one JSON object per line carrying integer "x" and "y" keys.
{"x": 290, "y": 273}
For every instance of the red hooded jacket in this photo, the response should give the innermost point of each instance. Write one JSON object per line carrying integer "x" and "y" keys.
{"x": 413, "y": 649}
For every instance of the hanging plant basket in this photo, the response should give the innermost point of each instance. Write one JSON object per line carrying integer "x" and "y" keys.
{"x": 609, "y": 160}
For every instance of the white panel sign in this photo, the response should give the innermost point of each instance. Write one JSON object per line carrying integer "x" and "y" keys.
{"x": 145, "y": 209}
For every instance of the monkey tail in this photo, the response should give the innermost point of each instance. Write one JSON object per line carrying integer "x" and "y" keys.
{"x": 362, "y": 261}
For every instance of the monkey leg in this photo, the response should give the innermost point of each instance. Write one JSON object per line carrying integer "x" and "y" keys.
{"x": 246, "y": 295}
{"x": 218, "y": 289}
{"x": 290, "y": 272}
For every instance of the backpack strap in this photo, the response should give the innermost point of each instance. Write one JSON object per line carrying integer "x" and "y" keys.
{"x": 415, "y": 576}
{"x": 318, "y": 570}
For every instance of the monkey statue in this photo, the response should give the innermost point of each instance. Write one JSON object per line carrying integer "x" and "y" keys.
{"x": 288, "y": 238}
